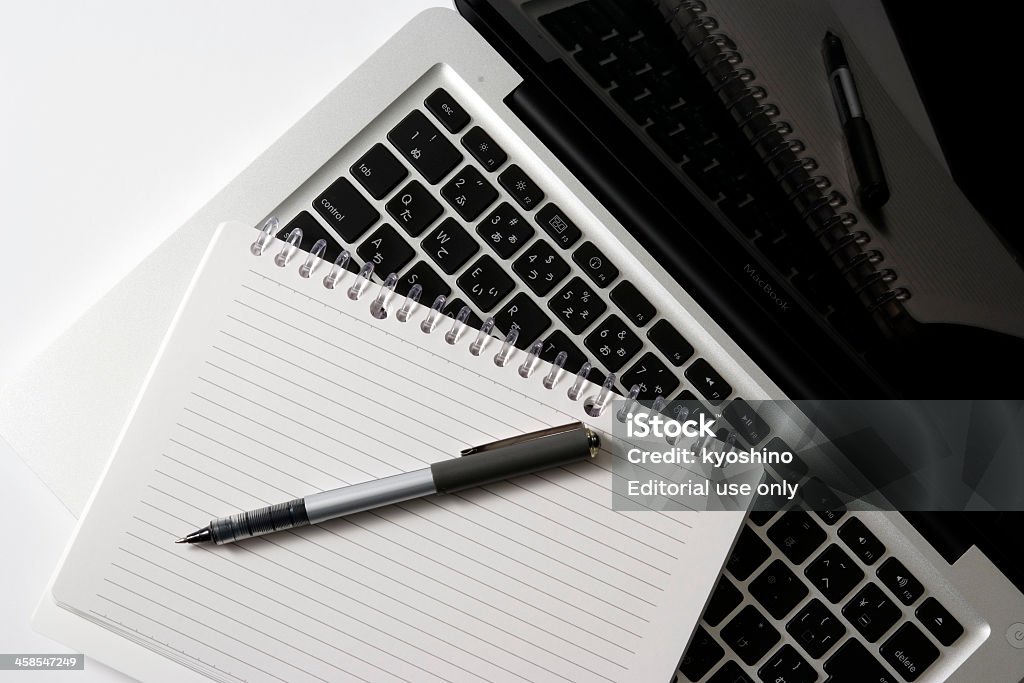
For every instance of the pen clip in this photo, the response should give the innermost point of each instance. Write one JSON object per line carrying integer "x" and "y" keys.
{"x": 532, "y": 436}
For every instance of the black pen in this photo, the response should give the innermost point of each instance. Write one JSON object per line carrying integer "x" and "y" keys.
{"x": 478, "y": 466}
{"x": 871, "y": 187}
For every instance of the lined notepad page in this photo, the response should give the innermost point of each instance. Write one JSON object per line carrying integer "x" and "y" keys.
{"x": 270, "y": 387}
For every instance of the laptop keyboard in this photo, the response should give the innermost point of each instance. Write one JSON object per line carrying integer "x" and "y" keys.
{"x": 628, "y": 53}
{"x": 465, "y": 221}
{"x": 807, "y": 597}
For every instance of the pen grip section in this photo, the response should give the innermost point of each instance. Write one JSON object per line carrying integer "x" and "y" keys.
{"x": 511, "y": 460}
{"x": 258, "y": 522}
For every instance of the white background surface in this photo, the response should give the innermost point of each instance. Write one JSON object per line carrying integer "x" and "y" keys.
{"x": 119, "y": 119}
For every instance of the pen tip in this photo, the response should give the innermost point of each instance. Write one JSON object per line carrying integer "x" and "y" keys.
{"x": 182, "y": 540}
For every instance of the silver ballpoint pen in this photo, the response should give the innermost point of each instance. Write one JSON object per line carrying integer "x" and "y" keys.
{"x": 478, "y": 466}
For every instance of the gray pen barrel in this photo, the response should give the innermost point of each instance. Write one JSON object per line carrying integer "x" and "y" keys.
{"x": 512, "y": 459}
{"x": 258, "y": 522}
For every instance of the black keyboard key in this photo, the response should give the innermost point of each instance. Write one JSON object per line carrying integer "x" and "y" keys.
{"x": 387, "y": 250}
{"x": 730, "y": 673}
{"x": 817, "y": 496}
{"x": 909, "y": 652}
{"x": 749, "y": 553}
{"x": 521, "y": 312}
{"x": 708, "y": 382}
{"x": 468, "y": 193}
{"x": 787, "y": 666}
{"x": 632, "y": 303}
{"x": 504, "y": 230}
{"x": 871, "y": 612}
{"x": 669, "y": 342}
{"x": 613, "y": 343}
{"x": 595, "y": 264}
{"x": 778, "y": 589}
{"x": 702, "y": 654}
{"x": 558, "y": 226}
{"x": 652, "y": 376}
{"x": 834, "y": 573}
{"x": 750, "y": 635}
{"x": 745, "y": 420}
{"x": 852, "y": 663}
{"x": 521, "y": 187}
{"x": 449, "y": 245}
{"x": 452, "y": 308}
{"x": 414, "y": 209}
{"x": 540, "y": 267}
{"x": 794, "y": 469}
{"x": 939, "y": 621}
{"x": 815, "y": 628}
{"x": 424, "y": 275}
{"x": 312, "y": 231}
{"x": 486, "y": 283}
{"x": 864, "y": 544}
{"x": 484, "y": 149}
{"x": 345, "y": 210}
{"x": 425, "y": 147}
{"x": 796, "y": 535}
{"x": 723, "y": 601}
{"x": 558, "y": 341}
{"x": 901, "y": 582}
{"x": 577, "y": 305}
{"x": 378, "y": 171}
{"x": 761, "y": 517}
{"x": 446, "y": 110}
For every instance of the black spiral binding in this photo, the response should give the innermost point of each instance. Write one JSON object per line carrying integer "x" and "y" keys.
{"x": 718, "y": 59}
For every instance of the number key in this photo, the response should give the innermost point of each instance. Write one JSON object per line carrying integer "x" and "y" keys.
{"x": 505, "y": 230}
{"x": 651, "y": 375}
{"x": 577, "y": 305}
{"x": 468, "y": 193}
{"x": 378, "y": 171}
{"x": 613, "y": 343}
{"x": 424, "y": 146}
{"x": 540, "y": 267}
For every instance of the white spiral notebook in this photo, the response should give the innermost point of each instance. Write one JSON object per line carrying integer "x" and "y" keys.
{"x": 270, "y": 386}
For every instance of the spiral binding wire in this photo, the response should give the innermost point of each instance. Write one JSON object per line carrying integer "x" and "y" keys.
{"x": 380, "y": 308}
{"x": 718, "y": 59}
